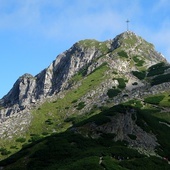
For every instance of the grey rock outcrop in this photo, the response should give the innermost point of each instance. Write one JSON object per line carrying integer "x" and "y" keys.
{"x": 122, "y": 126}
{"x": 30, "y": 90}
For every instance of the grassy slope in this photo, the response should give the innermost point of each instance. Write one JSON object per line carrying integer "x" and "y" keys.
{"x": 41, "y": 150}
{"x": 49, "y": 118}
{"x": 67, "y": 150}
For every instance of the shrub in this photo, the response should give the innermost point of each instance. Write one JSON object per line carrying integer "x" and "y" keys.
{"x": 138, "y": 61}
{"x": 149, "y": 163}
{"x": 80, "y": 106}
{"x": 103, "y": 108}
{"x": 4, "y": 151}
{"x": 74, "y": 101}
{"x": 45, "y": 133}
{"x": 140, "y": 75}
{"x": 122, "y": 83}
{"x": 157, "y": 69}
{"x": 134, "y": 103}
{"x": 35, "y": 138}
{"x": 113, "y": 92}
{"x": 154, "y": 99}
{"x": 123, "y": 54}
{"x": 83, "y": 70}
{"x": 13, "y": 147}
{"x": 160, "y": 79}
{"x": 90, "y": 162}
{"x": 21, "y": 140}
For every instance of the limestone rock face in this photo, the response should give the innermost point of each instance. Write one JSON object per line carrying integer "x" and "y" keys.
{"x": 29, "y": 90}
{"x": 122, "y": 126}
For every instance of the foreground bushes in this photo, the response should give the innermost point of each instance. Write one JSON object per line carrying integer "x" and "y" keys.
{"x": 154, "y": 99}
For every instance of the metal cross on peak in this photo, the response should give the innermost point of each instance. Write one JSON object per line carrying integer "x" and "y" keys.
{"x": 127, "y": 24}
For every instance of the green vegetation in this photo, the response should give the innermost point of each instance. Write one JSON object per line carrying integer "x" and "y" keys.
{"x": 148, "y": 120}
{"x": 150, "y": 163}
{"x": 140, "y": 75}
{"x": 111, "y": 164}
{"x": 160, "y": 79}
{"x": 69, "y": 150}
{"x": 102, "y": 46}
{"x": 122, "y": 54}
{"x": 166, "y": 100}
{"x": 83, "y": 70}
{"x": 21, "y": 140}
{"x": 113, "y": 92}
{"x": 35, "y": 138}
{"x": 98, "y": 119}
{"x": 157, "y": 69}
{"x": 4, "y": 151}
{"x": 63, "y": 137}
{"x": 74, "y": 101}
{"x": 122, "y": 83}
{"x": 138, "y": 61}
{"x": 129, "y": 41}
{"x": 76, "y": 151}
{"x": 71, "y": 98}
{"x": 134, "y": 103}
{"x": 154, "y": 99}
{"x": 104, "y": 116}
{"x": 49, "y": 117}
{"x": 81, "y": 105}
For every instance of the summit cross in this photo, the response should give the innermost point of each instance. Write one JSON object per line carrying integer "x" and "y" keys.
{"x": 127, "y": 21}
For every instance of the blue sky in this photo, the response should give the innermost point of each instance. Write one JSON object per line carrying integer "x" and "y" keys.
{"x": 34, "y": 32}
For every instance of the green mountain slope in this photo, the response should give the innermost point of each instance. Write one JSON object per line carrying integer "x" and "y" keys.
{"x": 78, "y": 148}
{"x": 114, "y": 113}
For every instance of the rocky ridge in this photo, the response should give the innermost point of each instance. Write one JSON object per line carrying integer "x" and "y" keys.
{"x": 83, "y": 57}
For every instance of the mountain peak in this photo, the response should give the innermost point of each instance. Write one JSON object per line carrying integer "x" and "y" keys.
{"x": 131, "y": 40}
{"x": 126, "y": 52}
{"x": 84, "y": 81}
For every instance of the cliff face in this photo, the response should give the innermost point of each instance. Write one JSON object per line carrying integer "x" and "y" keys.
{"x": 123, "y": 54}
{"x": 98, "y": 90}
{"x": 29, "y": 90}
{"x": 123, "y": 127}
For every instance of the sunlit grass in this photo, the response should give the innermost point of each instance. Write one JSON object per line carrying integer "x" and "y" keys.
{"x": 57, "y": 111}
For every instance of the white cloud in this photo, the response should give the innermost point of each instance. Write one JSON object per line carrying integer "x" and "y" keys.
{"x": 91, "y": 19}
{"x": 54, "y": 18}
{"x": 74, "y": 20}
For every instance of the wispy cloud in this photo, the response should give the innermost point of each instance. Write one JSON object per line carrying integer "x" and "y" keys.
{"x": 75, "y": 20}
{"x": 63, "y": 18}
{"x": 33, "y": 28}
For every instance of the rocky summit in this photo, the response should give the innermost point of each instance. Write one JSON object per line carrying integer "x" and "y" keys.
{"x": 112, "y": 94}
{"x": 123, "y": 54}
